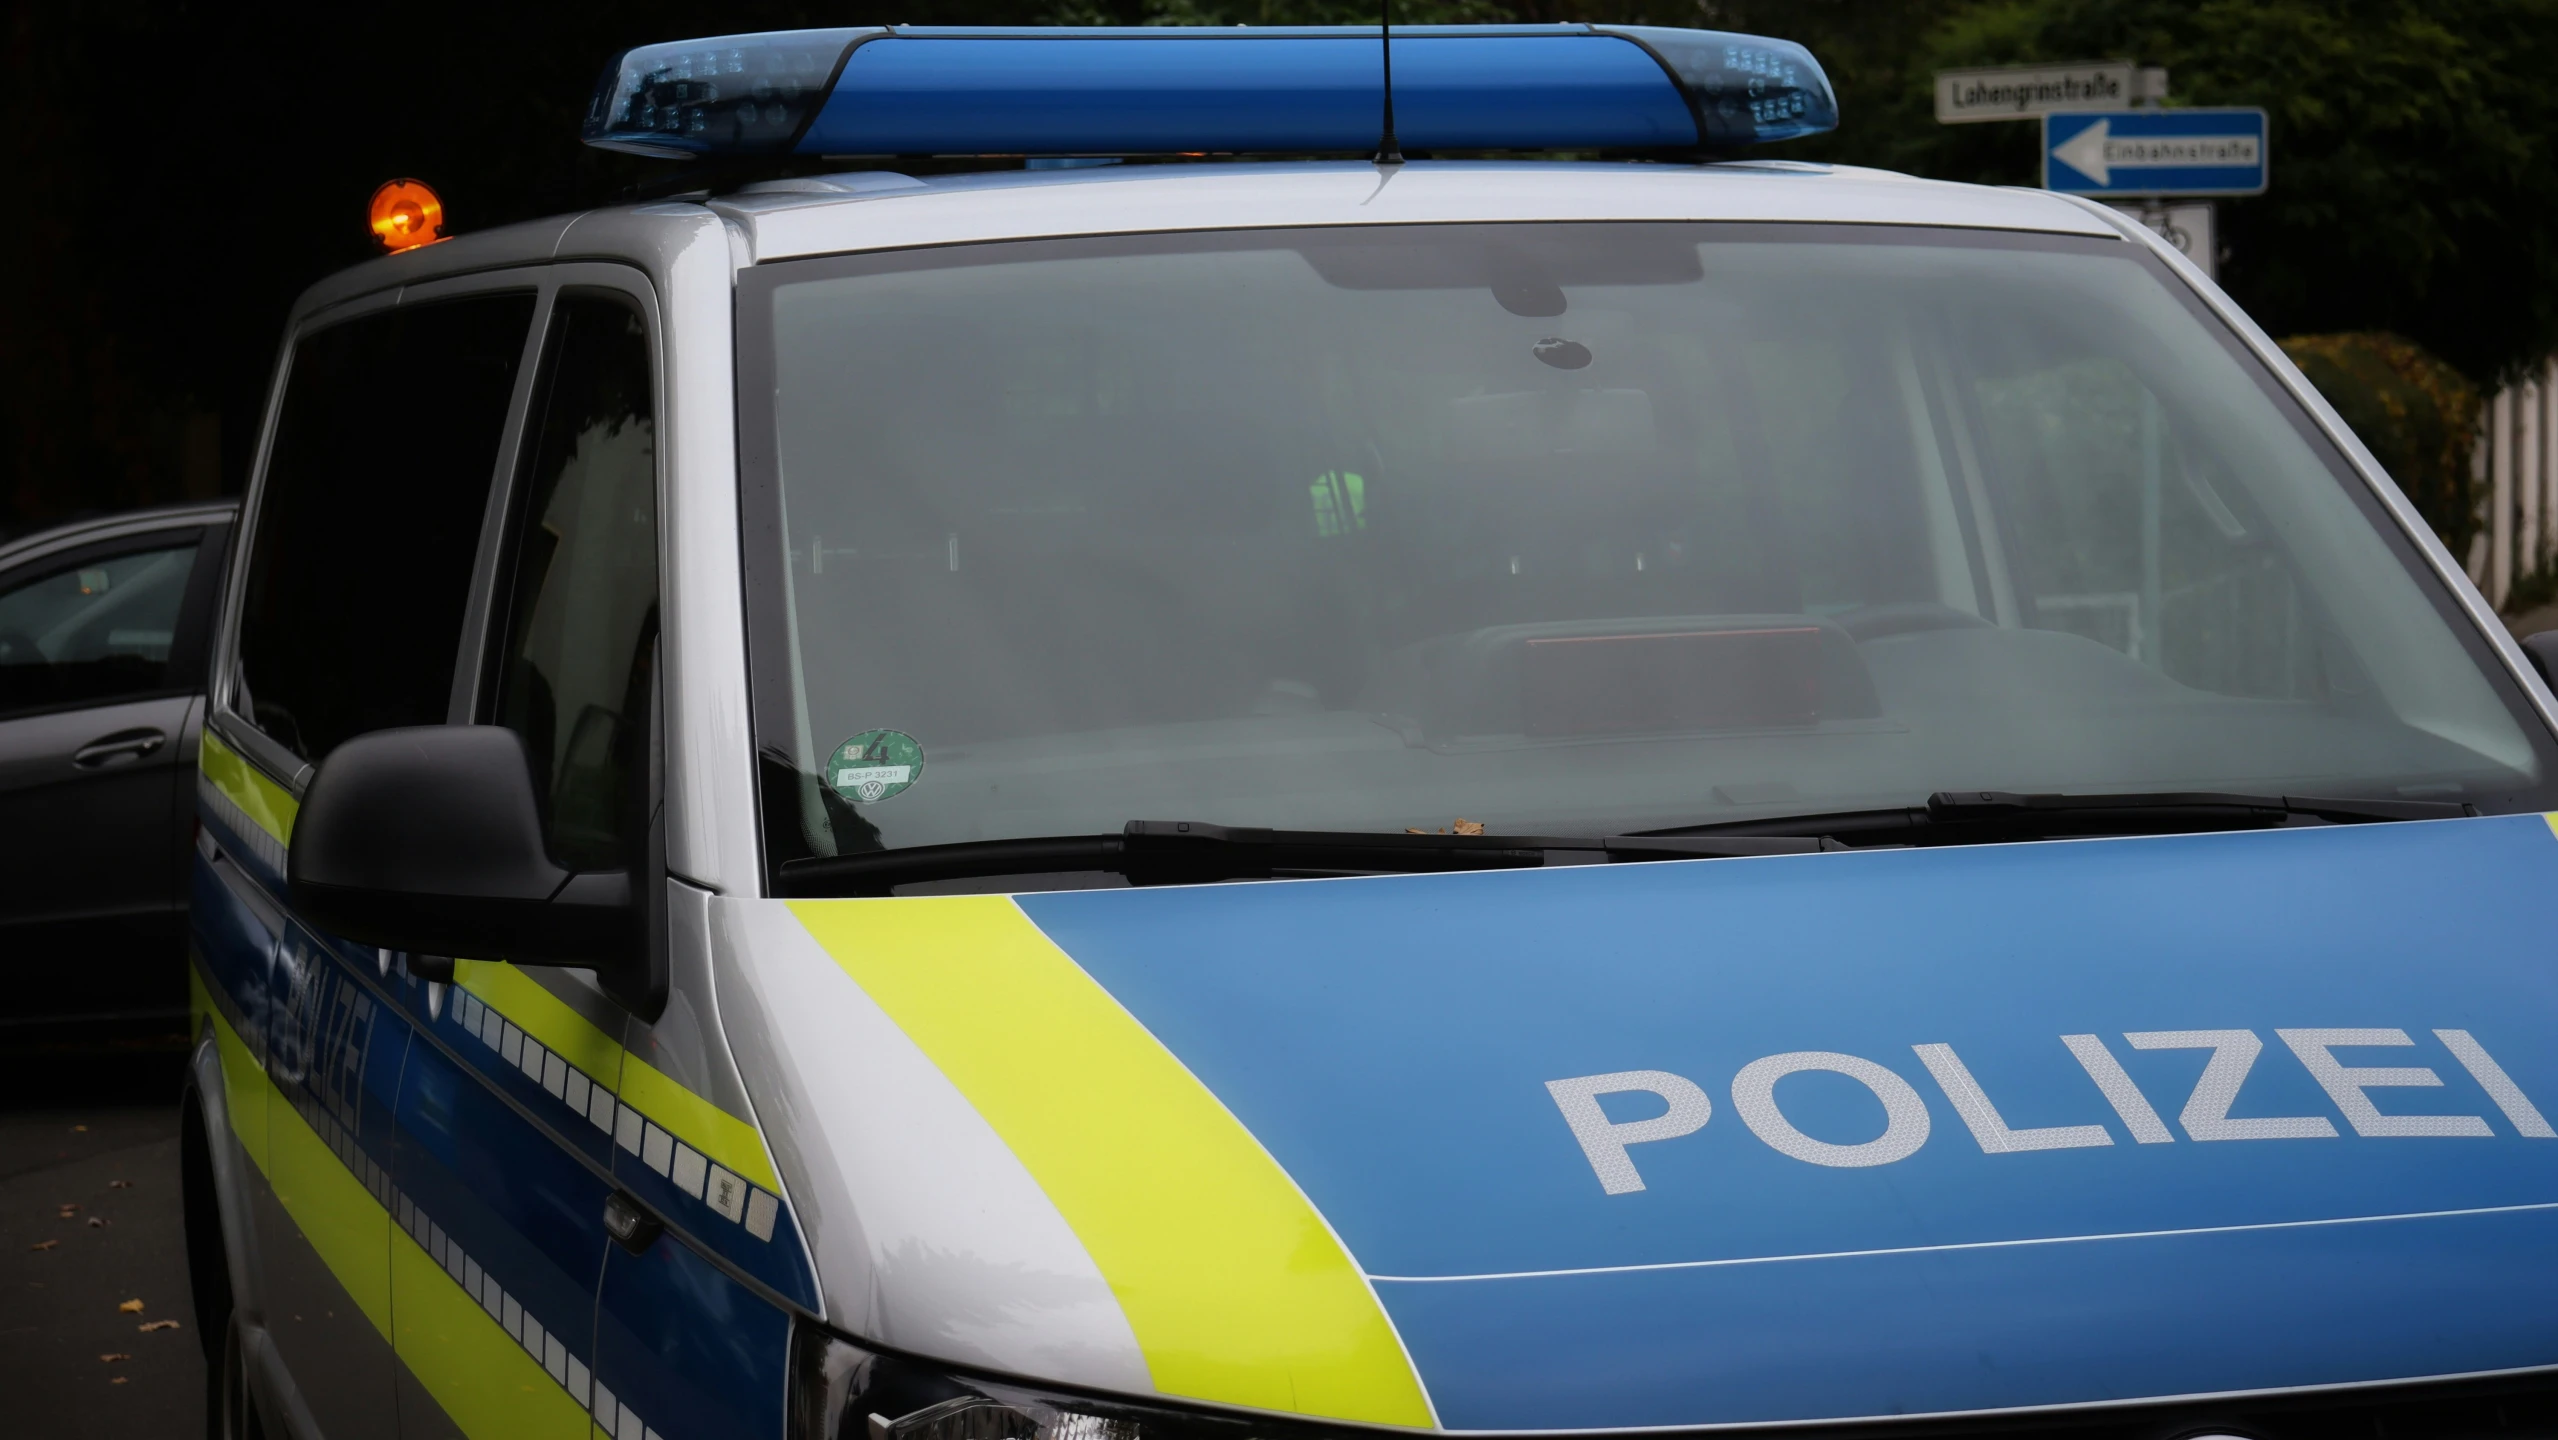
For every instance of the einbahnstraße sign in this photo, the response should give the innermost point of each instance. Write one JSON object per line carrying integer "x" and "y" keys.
{"x": 2022, "y": 92}
{"x": 2156, "y": 152}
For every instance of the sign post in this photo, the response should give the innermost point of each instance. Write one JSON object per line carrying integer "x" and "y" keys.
{"x": 2187, "y": 225}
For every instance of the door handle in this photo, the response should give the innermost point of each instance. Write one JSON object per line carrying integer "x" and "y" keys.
{"x": 122, "y": 745}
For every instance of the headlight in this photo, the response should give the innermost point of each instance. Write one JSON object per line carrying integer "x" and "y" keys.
{"x": 845, "y": 1391}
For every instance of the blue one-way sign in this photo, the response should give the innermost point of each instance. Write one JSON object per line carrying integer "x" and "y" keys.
{"x": 2155, "y": 152}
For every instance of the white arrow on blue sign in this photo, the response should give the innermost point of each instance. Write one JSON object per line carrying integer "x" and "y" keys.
{"x": 2155, "y": 152}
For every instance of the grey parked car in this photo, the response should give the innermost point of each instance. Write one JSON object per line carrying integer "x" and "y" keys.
{"x": 103, "y": 626}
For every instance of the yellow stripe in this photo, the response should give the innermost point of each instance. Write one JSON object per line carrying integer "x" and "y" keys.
{"x": 726, "y": 1139}
{"x": 544, "y": 1016}
{"x": 268, "y": 805}
{"x": 340, "y": 1219}
{"x": 696, "y": 1121}
{"x": 335, "y": 1213}
{"x": 2551, "y": 819}
{"x": 1236, "y": 1289}
{"x": 488, "y": 1384}
{"x": 243, "y": 1083}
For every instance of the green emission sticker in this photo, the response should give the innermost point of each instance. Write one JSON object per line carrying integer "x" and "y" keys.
{"x": 875, "y": 765}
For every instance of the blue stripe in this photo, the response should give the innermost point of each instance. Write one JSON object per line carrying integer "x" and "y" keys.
{"x": 1915, "y": 1334}
{"x": 697, "y": 1353}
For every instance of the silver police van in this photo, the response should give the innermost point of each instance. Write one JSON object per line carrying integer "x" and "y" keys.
{"x": 1309, "y": 755}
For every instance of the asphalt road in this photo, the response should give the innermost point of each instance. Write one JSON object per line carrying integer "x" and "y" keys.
{"x": 89, "y": 1221}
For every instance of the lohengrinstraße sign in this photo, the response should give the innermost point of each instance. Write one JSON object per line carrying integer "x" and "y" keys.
{"x": 2022, "y": 92}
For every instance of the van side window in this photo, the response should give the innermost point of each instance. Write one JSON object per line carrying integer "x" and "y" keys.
{"x": 375, "y": 492}
{"x": 574, "y": 677}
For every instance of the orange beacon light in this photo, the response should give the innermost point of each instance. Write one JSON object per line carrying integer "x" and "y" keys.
{"x": 406, "y": 214}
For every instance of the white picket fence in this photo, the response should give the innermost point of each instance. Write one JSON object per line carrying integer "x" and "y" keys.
{"x": 2516, "y": 463}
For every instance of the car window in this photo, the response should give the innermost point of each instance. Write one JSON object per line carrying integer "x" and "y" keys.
{"x": 574, "y": 672}
{"x": 370, "y": 519}
{"x": 93, "y": 629}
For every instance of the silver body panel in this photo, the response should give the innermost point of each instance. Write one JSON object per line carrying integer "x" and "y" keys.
{"x": 1140, "y": 199}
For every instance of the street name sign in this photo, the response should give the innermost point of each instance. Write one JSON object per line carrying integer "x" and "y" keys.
{"x": 2155, "y": 152}
{"x": 2022, "y": 92}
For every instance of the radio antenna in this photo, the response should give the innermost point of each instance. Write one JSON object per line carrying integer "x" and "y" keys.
{"x": 1389, "y": 150}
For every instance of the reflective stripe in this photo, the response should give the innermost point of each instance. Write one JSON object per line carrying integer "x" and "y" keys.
{"x": 341, "y": 1221}
{"x": 262, "y": 802}
{"x": 544, "y": 1016}
{"x": 483, "y": 1377}
{"x": 244, "y": 1081}
{"x": 716, "y": 1133}
{"x": 1236, "y": 1289}
{"x": 734, "y": 1144}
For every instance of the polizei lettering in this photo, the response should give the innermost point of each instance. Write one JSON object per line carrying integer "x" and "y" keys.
{"x": 1684, "y": 1107}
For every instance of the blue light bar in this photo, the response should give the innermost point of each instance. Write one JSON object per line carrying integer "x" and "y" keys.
{"x": 946, "y": 90}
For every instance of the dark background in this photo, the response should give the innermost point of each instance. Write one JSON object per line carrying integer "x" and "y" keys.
{"x": 178, "y": 171}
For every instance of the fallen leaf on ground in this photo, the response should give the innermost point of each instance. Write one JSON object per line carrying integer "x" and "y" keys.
{"x": 68, "y": 1207}
{"x": 96, "y": 1224}
{"x": 1469, "y": 827}
{"x": 148, "y": 1326}
{"x": 78, "y": 1129}
{"x": 115, "y": 1356}
{"x": 131, "y": 1307}
{"x": 44, "y": 1244}
{"x": 115, "y": 1379}
{"x": 119, "y": 1184}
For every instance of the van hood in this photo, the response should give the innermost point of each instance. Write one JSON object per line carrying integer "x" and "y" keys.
{"x": 1709, "y": 1142}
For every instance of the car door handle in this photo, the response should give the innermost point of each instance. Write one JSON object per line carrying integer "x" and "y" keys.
{"x": 122, "y": 745}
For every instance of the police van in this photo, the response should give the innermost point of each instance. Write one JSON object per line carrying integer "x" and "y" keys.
{"x": 918, "y": 806}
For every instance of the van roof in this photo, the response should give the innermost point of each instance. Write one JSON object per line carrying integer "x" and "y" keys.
{"x": 881, "y": 210}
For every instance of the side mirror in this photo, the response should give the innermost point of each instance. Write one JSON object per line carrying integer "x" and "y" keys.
{"x": 429, "y": 840}
{"x": 2542, "y": 651}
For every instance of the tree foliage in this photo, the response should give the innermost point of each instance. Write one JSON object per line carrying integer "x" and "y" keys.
{"x": 2414, "y": 149}
{"x": 2417, "y": 415}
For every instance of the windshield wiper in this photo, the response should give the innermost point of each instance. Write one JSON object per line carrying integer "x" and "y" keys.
{"x": 1962, "y": 817}
{"x": 1188, "y": 852}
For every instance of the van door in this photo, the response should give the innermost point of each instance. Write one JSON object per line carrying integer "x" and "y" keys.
{"x": 507, "y": 1123}
{"x": 364, "y": 534}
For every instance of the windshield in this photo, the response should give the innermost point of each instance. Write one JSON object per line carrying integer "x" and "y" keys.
{"x": 1559, "y": 529}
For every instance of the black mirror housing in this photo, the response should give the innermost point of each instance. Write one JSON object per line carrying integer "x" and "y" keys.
{"x": 2542, "y": 651}
{"x": 429, "y": 840}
